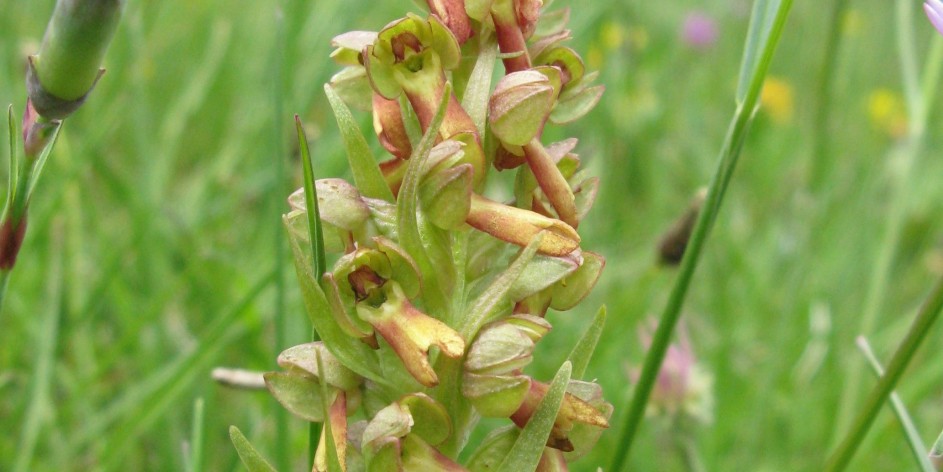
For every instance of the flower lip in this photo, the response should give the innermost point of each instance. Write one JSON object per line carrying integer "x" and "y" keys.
{"x": 934, "y": 11}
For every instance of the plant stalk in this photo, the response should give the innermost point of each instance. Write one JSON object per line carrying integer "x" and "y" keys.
{"x": 729, "y": 155}
{"x": 928, "y": 314}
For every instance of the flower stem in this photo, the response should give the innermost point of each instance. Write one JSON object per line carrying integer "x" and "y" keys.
{"x": 729, "y": 155}
{"x": 928, "y": 314}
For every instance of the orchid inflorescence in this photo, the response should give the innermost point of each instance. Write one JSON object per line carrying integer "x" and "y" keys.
{"x": 442, "y": 283}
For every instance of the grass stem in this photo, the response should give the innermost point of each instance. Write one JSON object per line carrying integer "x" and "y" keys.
{"x": 729, "y": 155}
{"x": 819, "y": 167}
{"x": 927, "y": 315}
{"x": 901, "y": 159}
{"x": 196, "y": 437}
{"x": 279, "y": 184}
{"x": 917, "y": 447}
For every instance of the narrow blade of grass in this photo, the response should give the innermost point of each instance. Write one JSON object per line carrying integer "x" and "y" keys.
{"x": 936, "y": 453}
{"x": 729, "y": 154}
{"x": 40, "y": 403}
{"x": 250, "y": 457}
{"x": 315, "y": 231}
{"x": 928, "y": 314}
{"x": 195, "y": 464}
{"x": 278, "y": 191}
{"x": 158, "y": 391}
{"x": 14, "y": 157}
{"x": 916, "y": 444}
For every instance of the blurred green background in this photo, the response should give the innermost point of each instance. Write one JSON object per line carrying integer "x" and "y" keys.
{"x": 152, "y": 240}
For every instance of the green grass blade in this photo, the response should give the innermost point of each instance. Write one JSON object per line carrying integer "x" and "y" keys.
{"x": 529, "y": 446}
{"x": 40, "y": 407}
{"x": 248, "y": 454}
{"x": 761, "y": 21}
{"x": 896, "y": 196}
{"x": 363, "y": 165}
{"x": 159, "y": 391}
{"x": 930, "y": 80}
{"x": 37, "y": 170}
{"x": 195, "y": 464}
{"x": 315, "y": 231}
{"x": 729, "y": 155}
{"x": 928, "y": 314}
{"x": 584, "y": 348}
{"x": 917, "y": 447}
{"x": 278, "y": 191}
{"x": 14, "y": 158}
{"x": 936, "y": 453}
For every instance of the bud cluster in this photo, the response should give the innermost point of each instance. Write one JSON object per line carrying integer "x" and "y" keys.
{"x": 439, "y": 293}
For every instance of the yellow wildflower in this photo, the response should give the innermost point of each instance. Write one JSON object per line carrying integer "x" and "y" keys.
{"x": 887, "y": 112}
{"x": 777, "y": 100}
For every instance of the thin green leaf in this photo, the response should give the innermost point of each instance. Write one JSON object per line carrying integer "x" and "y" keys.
{"x": 14, "y": 158}
{"x": 496, "y": 294}
{"x": 37, "y": 171}
{"x": 333, "y": 463}
{"x": 917, "y": 447}
{"x": 478, "y": 92}
{"x": 410, "y": 120}
{"x": 583, "y": 351}
{"x": 407, "y": 207}
{"x": 315, "y": 231}
{"x": 161, "y": 390}
{"x": 195, "y": 464}
{"x": 727, "y": 163}
{"x": 936, "y": 453}
{"x": 530, "y": 445}
{"x": 574, "y": 107}
{"x": 363, "y": 165}
{"x": 761, "y": 23}
{"x": 544, "y": 272}
{"x": 248, "y": 454}
{"x": 926, "y": 317}
{"x": 283, "y": 325}
{"x": 38, "y": 411}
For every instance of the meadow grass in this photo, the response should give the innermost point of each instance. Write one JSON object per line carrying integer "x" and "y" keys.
{"x": 151, "y": 255}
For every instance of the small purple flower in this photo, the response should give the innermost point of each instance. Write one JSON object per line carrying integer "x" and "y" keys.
{"x": 934, "y": 10}
{"x": 700, "y": 30}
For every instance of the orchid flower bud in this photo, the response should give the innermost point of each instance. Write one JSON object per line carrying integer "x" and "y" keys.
{"x": 401, "y": 436}
{"x": 343, "y": 383}
{"x": 452, "y": 13}
{"x": 519, "y": 226}
{"x": 497, "y": 387}
{"x": 519, "y": 107}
